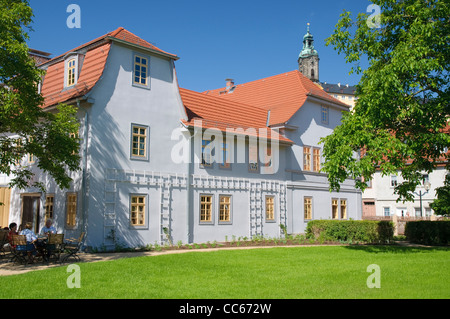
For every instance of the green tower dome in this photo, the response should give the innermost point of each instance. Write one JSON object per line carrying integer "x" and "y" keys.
{"x": 308, "y": 46}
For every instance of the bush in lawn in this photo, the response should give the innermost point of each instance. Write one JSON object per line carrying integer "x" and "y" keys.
{"x": 351, "y": 231}
{"x": 428, "y": 232}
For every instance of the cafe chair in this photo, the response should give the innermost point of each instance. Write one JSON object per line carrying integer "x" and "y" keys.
{"x": 3, "y": 241}
{"x": 22, "y": 252}
{"x": 72, "y": 248}
{"x": 55, "y": 245}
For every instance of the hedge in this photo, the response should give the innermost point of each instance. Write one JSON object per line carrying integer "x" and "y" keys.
{"x": 351, "y": 231}
{"x": 428, "y": 232}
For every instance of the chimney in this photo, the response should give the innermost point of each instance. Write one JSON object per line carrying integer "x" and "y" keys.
{"x": 339, "y": 84}
{"x": 39, "y": 56}
{"x": 230, "y": 84}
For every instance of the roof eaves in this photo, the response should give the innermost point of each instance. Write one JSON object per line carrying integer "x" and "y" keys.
{"x": 167, "y": 55}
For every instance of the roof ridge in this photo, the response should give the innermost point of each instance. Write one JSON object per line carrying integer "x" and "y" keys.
{"x": 115, "y": 32}
{"x": 245, "y": 83}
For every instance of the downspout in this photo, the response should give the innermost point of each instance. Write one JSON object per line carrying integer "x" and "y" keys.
{"x": 84, "y": 181}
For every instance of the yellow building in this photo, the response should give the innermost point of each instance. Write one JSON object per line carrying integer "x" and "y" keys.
{"x": 344, "y": 93}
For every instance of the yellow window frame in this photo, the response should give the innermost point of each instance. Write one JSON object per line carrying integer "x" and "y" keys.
{"x": 137, "y": 210}
{"x": 71, "y": 66}
{"x": 205, "y": 208}
{"x": 225, "y": 208}
{"x": 139, "y": 141}
{"x": 270, "y": 208}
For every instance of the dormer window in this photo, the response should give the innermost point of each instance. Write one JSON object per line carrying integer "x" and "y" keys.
{"x": 71, "y": 71}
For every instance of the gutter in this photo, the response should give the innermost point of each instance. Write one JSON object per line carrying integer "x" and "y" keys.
{"x": 84, "y": 181}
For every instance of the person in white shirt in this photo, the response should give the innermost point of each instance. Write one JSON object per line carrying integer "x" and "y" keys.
{"x": 48, "y": 228}
{"x": 29, "y": 234}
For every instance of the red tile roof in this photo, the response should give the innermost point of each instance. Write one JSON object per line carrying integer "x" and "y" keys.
{"x": 283, "y": 94}
{"x": 53, "y": 85}
{"x": 92, "y": 68}
{"x": 223, "y": 114}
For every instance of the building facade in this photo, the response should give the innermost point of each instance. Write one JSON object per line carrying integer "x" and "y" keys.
{"x": 165, "y": 164}
{"x": 379, "y": 198}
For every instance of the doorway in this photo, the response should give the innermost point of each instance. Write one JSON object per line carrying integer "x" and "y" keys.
{"x": 5, "y": 200}
{"x": 30, "y": 211}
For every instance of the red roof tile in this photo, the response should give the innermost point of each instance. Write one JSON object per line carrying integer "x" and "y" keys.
{"x": 223, "y": 114}
{"x": 283, "y": 94}
{"x": 53, "y": 85}
{"x": 92, "y": 68}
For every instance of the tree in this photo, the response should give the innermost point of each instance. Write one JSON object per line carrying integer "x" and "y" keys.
{"x": 400, "y": 121}
{"x": 441, "y": 204}
{"x": 46, "y": 135}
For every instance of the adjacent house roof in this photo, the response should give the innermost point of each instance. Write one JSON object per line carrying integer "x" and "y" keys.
{"x": 338, "y": 88}
{"x": 283, "y": 94}
{"x": 222, "y": 114}
{"x": 93, "y": 60}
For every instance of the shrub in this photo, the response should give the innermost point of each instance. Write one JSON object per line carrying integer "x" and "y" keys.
{"x": 351, "y": 231}
{"x": 428, "y": 232}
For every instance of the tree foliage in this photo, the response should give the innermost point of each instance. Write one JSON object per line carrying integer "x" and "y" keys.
{"x": 400, "y": 121}
{"x": 441, "y": 205}
{"x": 44, "y": 134}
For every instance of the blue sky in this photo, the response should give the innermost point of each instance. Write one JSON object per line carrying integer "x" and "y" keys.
{"x": 245, "y": 40}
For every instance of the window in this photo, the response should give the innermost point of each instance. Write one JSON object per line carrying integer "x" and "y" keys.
{"x": 425, "y": 179}
{"x": 31, "y": 157}
{"x": 139, "y": 142}
{"x": 334, "y": 209}
{"x": 343, "y": 209}
{"x": 137, "y": 210}
{"x": 324, "y": 115}
{"x": 71, "y": 210}
{"x": 316, "y": 159}
{"x": 393, "y": 181}
{"x": 306, "y": 158}
{"x": 74, "y": 136}
{"x": 270, "y": 208}
{"x": 252, "y": 157}
{"x": 224, "y": 208}
{"x": 71, "y": 72}
{"x": 206, "y": 153}
{"x": 140, "y": 76}
{"x": 49, "y": 200}
{"x": 225, "y": 160}
{"x": 307, "y": 204}
{"x": 387, "y": 211}
{"x": 205, "y": 208}
{"x": 19, "y": 149}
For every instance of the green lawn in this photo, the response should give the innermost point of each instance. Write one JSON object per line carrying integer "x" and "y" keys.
{"x": 276, "y": 273}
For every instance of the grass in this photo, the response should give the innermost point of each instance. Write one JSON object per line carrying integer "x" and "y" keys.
{"x": 274, "y": 273}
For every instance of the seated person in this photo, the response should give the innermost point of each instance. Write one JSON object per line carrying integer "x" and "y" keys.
{"x": 48, "y": 228}
{"x": 31, "y": 239}
{"x": 12, "y": 231}
{"x": 29, "y": 234}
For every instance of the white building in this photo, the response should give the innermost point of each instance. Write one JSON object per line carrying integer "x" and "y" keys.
{"x": 379, "y": 198}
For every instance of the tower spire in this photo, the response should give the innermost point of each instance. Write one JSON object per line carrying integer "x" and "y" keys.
{"x": 308, "y": 60}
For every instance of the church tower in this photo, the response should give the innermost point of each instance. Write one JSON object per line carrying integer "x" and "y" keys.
{"x": 308, "y": 60}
